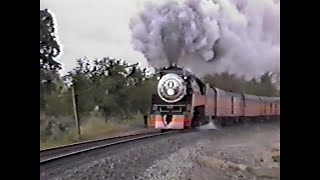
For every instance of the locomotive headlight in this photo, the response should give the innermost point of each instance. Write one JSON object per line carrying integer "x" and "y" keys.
{"x": 155, "y": 107}
{"x": 170, "y": 92}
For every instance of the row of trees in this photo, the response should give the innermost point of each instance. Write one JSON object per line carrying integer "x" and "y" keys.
{"x": 264, "y": 86}
{"x": 118, "y": 89}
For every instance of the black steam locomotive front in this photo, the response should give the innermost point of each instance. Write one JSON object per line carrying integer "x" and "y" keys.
{"x": 174, "y": 92}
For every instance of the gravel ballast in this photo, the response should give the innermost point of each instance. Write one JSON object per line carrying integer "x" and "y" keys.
{"x": 231, "y": 153}
{"x": 127, "y": 161}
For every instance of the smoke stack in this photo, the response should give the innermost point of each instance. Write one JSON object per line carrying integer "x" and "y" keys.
{"x": 173, "y": 64}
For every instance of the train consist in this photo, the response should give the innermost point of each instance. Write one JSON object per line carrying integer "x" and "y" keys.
{"x": 183, "y": 101}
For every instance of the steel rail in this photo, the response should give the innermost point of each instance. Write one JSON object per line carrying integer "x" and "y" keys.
{"x": 60, "y": 152}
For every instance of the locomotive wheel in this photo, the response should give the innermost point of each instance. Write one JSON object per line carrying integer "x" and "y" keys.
{"x": 223, "y": 124}
{"x": 194, "y": 122}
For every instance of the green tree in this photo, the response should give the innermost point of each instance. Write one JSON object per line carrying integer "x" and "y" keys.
{"x": 49, "y": 50}
{"x": 49, "y": 47}
{"x": 115, "y": 86}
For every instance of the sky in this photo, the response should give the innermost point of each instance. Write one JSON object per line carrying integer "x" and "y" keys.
{"x": 94, "y": 28}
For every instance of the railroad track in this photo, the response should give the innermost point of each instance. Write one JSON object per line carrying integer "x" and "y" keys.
{"x": 52, "y": 154}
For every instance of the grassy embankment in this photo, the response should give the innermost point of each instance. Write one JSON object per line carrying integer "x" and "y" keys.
{"x": 91, "y": 128}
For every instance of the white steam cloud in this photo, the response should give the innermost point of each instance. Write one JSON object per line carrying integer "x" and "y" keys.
{"x": 210, "y": 36}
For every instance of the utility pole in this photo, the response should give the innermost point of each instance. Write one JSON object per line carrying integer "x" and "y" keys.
{"x": 75, "y": 109}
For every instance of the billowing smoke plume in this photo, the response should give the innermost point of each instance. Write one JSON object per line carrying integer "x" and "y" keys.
{"x": 211, "y": 36}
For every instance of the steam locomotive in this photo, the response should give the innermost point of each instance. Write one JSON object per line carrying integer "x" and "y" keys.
{"x": 183, "y": 101}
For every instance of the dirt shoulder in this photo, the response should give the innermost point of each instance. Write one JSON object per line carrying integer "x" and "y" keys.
{"x": 239, "y": 153}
